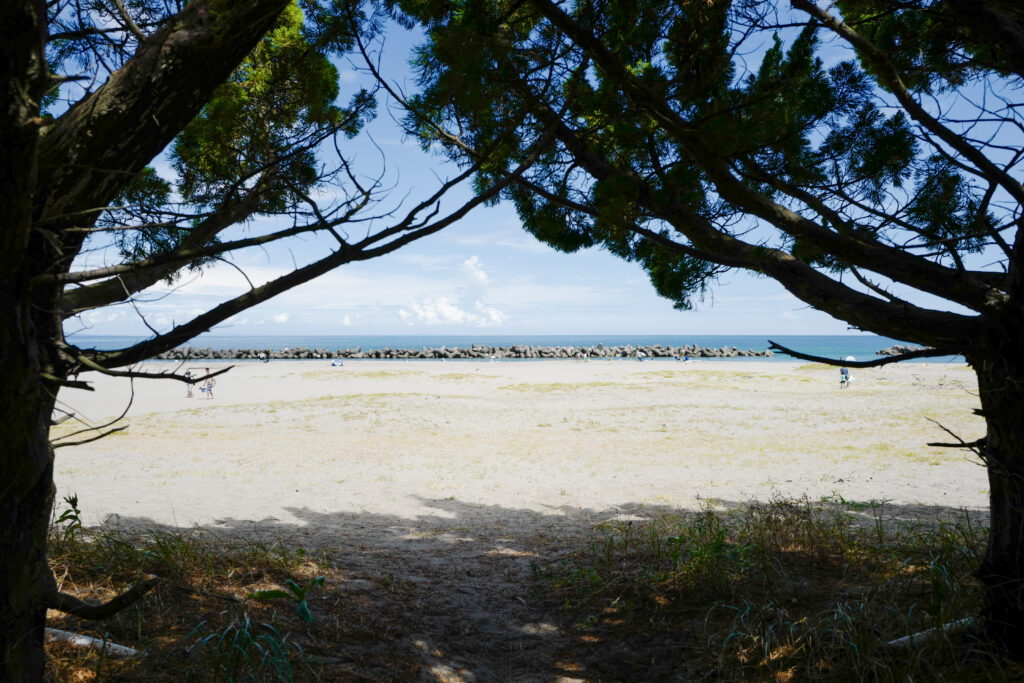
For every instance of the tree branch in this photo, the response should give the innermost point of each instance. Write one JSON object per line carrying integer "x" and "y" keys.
{"x": 891, "y": 79}
{"x": 129, "y": 23}
{"x": 69, "y": 604}
{"x": 97, "y": 146}
{"x": 910, "y": 355}
{"x": 859, "y": 250}
{"x": 901, "y": 320}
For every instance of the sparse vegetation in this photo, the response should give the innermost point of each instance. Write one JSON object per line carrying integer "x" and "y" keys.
{"x": 785, "y": 590}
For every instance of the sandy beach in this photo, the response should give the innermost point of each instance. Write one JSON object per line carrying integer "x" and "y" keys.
{"x": 303, "y": 445}
{"x": 435, "y": 490}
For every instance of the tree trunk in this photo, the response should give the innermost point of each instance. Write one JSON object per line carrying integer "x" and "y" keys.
{"x": 26, "y": 460}
{"x": 26, "y": 500}
{"x": 1001, "y": 385}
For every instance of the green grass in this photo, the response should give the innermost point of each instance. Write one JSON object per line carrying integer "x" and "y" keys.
{"x": 789, "y": 590}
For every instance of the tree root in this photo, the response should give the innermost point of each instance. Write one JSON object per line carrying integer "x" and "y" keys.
{"x": 69, "y": 604}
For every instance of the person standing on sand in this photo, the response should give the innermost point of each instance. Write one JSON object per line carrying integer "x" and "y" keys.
{"x": 844, "y": 378}
{"x": 210, "y": 384}
{"x": 188, "y": 380}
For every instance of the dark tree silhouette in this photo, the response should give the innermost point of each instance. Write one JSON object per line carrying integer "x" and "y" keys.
{"x": 242, "y": 97}
{"x": 866, "y": 156}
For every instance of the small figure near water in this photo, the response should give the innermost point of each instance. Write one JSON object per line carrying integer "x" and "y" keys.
{"x": 188, "y": 380}
{"x": 844, "y": 378}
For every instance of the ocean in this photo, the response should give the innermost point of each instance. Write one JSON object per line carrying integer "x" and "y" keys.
{"x": 861, "y": 347}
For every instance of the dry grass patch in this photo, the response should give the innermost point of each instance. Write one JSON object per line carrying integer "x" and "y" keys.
{"x": 789, "y": 590}
{"x": 206, "y": 619}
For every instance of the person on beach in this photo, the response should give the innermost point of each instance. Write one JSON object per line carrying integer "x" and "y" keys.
{"x": 210, "y": 384}
{"x": 188, "y": 383}
{"x": 844, "y": 378}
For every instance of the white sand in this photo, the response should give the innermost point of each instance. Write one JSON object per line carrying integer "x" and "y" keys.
{"x": 310, "y": 450}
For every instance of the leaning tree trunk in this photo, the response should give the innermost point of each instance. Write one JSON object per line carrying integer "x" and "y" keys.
{"x": 26, "y": 461}
{"x": 26, "y": 499}
{"x": 1001, "y": 386}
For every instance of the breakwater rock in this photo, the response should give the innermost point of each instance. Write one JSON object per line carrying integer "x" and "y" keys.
{"x": 476, "y": 351}
{"x": 897, "y": 349}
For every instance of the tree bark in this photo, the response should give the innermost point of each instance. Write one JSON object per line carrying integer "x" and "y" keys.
{"x": 83, "y": 161}
{"x": 25, "y": 504}
{"x": 1001, "y": 387}
{"x": 26, "y": 460}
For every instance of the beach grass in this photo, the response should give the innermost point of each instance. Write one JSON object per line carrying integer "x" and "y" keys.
{"x": 790, "y": 589}
{"x": 786, "y": 590}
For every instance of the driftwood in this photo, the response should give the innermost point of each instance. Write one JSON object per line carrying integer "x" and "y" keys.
{"x": 928, "y": 634}
{"x": 55, "y": 635}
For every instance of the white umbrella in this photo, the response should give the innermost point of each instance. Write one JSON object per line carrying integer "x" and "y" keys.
{"x": 850, "y": 358}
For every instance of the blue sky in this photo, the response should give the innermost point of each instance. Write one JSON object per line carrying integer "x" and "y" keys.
{"x": 484, "y": 275}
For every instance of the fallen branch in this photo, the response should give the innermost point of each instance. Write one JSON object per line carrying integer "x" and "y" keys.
{"x": 55, "y": 635}
{"x": 928, "y": 634}
{"x": 69, "y": 604}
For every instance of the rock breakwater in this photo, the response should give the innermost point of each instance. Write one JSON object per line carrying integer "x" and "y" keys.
{"x": 471, "y": 352}
{"x": 897, "y": 349}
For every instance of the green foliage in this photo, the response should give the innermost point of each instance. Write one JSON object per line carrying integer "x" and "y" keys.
{"x": 296, "y": 593}
{"x": 258, "y": 136}
{"x": 938, "y": 45}
{"x": 658, "y": 102}
{"x": 947, "y": 209}
{"x": 243, "y": 650}
{"x": 71, "y": 517}
{"x": 262, "y": 125}
{"x": 141, "y": 203}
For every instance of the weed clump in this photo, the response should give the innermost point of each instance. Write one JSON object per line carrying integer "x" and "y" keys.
{"x": 784, "y": 590}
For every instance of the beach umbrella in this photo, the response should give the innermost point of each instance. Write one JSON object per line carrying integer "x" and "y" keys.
{"x": 850, "y": 358}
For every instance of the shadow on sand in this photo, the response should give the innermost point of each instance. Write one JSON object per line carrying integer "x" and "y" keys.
{"x": 457, "y": 594}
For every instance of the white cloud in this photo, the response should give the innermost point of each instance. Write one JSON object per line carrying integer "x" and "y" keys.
{"x": 789, "y": 315}
{"x": 468, "y": 308}
{"x": 475, "y": 269}
{"x": 440, "y": 311}
{"x": 489, "y": 315}
{"x": 280, "y": 318}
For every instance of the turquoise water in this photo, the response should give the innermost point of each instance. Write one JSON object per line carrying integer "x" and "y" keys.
{"x": 862, "y": 347}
